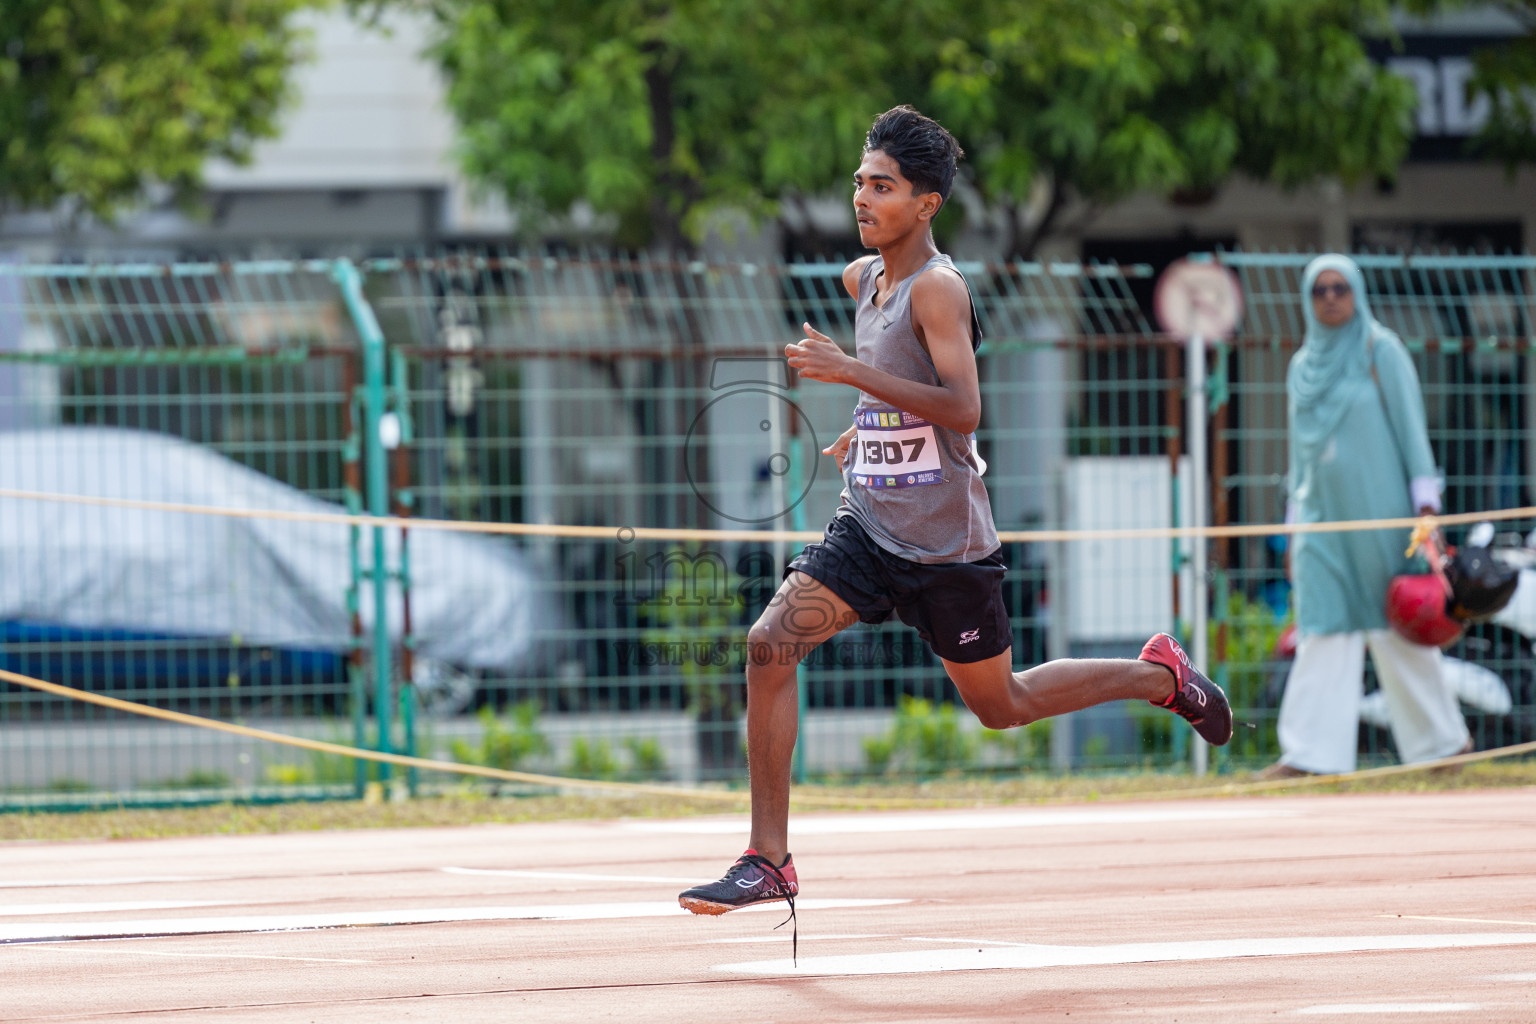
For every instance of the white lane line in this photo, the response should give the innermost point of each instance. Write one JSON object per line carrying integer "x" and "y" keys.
{"x": 111, "y": 946}
{"x": 46, "y": 931}
{"x": 785, "y": 938}
{"x": 963, "y": 942}
{"x": 942, "y": 821}
{"x": 1374, "y": 1009}
{"x": 1030, "y": 957}
{"x": 1458, "y": 920}
{"x": 1510, "y": 977}
{"x": 68, "y": 883}
{"x": 575, "y": 876}
{"x": 46, "y": 909}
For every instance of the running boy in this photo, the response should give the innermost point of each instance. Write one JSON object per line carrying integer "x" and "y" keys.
{"x": 914, "y": 532}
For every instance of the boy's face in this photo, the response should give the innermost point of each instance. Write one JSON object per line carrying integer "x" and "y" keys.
{"x": 884, "y": 204}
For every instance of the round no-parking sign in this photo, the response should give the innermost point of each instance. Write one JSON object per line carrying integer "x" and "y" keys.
{"x": 1200, "y": 299}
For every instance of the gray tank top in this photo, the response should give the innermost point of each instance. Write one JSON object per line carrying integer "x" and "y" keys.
{"x": 914, "y": 486}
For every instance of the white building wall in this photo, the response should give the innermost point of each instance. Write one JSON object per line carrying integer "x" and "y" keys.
{"x": 364, "y": 158}
{"x": 370, "y": 115}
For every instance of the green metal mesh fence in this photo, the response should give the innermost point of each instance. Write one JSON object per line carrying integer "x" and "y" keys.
{"x": 206, "y": 384}
{"x": 619, "y": 392}
{"x": 614, "y": 392}
{"x": 1468, "y": 321}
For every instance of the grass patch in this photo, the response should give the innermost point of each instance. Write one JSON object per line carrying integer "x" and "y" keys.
{"x": 472, "y": 806}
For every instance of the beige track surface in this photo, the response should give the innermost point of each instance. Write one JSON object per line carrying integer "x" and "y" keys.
{"x": 1412, "y": 907}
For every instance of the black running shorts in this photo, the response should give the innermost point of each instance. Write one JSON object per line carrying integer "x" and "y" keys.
{"x": 957, "y": 607}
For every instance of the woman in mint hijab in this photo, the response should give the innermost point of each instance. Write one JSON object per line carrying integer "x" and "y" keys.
{"x": 1358, "y": 450}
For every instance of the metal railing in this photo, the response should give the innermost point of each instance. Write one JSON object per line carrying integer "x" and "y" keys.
{"x": 613, "y": 391}
{"x": 219, "y": 384}
{"x": 1470, "y": 323}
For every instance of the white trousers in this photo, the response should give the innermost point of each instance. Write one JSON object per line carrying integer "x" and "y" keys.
{"x": 1320, "y": 712}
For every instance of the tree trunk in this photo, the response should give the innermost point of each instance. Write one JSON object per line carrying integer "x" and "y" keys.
{"x": 674, "y": 194}
{"x": 718, "y": 742}
{"x": 1022, "y": 245}
{"x": 1026, "y": 246}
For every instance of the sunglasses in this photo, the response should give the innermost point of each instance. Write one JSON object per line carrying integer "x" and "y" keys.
{"x": 1322, "y": 291}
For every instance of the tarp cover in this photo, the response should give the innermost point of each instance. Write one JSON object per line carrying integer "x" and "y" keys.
{"x": 474, "y": 600}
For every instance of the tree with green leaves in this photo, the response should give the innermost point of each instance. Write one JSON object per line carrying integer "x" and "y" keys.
{"x": 655, "y": 114}
{"x": 101, "y": 100}
{"x": 1171, "y": 97}
{"x": 1505, "y": 74}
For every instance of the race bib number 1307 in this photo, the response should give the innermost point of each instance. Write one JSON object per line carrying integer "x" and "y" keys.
{"x": 894, "y": 449}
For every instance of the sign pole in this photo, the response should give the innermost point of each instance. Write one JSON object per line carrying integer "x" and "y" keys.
{"x": 1198, "y": 300}
{"x": 1199, "y": 499}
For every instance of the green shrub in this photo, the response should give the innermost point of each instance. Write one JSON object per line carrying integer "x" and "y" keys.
{"x": 1022, "y": 746}
{"x": 695, "y": 612}
{"x": 197, "y": 778}
{"x": 592, "y": 759}
{"x": 595, "y": 759}
{"x": 319, "y": 770}
{"x": 647, "y": 759}
{"x": 505, "y": 744}
{"x": 322, "y": 769}
{"x": 878, "y": 751}
{"x": 927, "y": 738}
{"x": 69, "y": 785}
{"x": 1252, "y": 629}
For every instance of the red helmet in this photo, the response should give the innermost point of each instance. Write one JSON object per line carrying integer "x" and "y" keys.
{"x": 1416, "y": 609}
{"x": 1285, "y": 643}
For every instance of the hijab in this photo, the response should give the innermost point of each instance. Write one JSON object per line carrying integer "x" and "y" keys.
{"x": 1334, "y": 364}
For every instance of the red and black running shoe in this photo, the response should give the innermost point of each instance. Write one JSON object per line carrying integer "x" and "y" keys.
{"x": 1195, "y": 698}
{"x": 752, "y": 879}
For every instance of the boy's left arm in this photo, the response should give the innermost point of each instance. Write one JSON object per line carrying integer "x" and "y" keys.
{"x": 941, "y": 315}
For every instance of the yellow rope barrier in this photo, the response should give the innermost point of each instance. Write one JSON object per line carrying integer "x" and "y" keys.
{"x": 724, "y": 796}
{"x": 626, "y": 534}
{"x": 629, "y": 533}
{"x": 407, "y": 761}
{"x": 1303, "y": 781}
{"x": 336, "y": 748}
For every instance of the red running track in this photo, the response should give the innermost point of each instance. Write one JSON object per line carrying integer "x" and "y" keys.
{"x": 1414, "y": 907}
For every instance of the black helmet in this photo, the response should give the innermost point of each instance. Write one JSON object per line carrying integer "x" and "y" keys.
{"x": 1480, "y": 586}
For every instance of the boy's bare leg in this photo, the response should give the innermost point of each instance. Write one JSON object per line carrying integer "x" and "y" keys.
{"x": 1002, "y": 698}
{"x": 802, "y": 615}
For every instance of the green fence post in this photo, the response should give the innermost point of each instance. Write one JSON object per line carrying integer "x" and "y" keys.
{"x": 357, "y": 681}
{"x": 1223, "y": 674}
{"x": 377, "y": 485}
{"x": 797, "y": 522}
{"x": 404, "y": 505}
